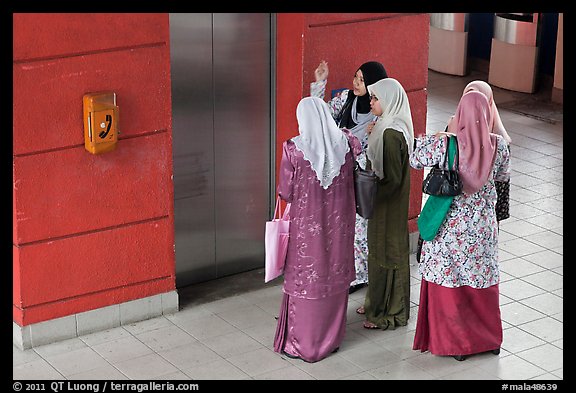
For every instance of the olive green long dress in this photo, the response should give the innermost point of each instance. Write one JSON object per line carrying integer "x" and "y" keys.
{"x": 387, "y": 302}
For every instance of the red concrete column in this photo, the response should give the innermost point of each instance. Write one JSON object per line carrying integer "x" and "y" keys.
{"x": 90, "y": 230}
{"x": 289, "y": 58}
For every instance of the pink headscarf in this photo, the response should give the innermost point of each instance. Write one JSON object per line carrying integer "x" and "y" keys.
{"x": 496, "y": 125}
{"x": 476, "y": 144}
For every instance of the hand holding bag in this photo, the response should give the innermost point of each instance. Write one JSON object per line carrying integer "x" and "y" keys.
{"x": 276, "y": 242}
{"x": 444, "y": 180}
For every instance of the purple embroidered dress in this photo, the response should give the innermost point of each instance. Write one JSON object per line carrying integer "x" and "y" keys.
{"x": 320, "y": 261}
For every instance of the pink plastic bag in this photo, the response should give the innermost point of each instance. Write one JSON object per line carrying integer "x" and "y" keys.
{"x": 276, "y": 242}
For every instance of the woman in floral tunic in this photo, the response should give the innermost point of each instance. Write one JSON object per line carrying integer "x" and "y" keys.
{"x": 459, "y": 312}
{"x": 351, "y": 110}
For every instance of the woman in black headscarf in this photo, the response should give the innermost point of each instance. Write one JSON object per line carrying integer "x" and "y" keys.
{"x": 351, "y": 110}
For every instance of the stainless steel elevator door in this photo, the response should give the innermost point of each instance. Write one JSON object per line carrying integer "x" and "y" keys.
{"x": 221, "y": 128}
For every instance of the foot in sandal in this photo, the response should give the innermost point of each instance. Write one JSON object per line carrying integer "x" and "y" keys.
{"x": 370, "y": 325}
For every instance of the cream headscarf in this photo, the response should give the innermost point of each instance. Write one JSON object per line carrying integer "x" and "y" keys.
{"x": 496, "y": 124}
{"x": 323, "y": 144}
{"x": 396, "y": 115}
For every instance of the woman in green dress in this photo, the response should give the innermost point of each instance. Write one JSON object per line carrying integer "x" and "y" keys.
{"x": 387, "y": 302}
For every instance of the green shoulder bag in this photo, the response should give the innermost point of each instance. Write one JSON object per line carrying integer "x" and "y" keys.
{"x": 435, "y": 209}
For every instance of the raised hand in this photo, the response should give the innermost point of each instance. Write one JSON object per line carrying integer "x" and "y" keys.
{"x": 370, "y": 127}
{"x": 321, "y": 73}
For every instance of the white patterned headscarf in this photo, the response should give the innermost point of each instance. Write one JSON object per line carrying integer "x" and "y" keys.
{"x": 323, "y": 144}
{"x": 396, "y": 115}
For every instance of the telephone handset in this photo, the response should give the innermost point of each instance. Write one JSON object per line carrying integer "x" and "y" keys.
{"x": 104, "y": 133}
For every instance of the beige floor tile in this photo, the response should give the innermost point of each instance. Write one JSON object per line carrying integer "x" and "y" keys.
{"x": 232, "y": 344}
{"x": 286, "y": 373}
{"x": 517, "y": 340}
{"x": 122, "y": 349}
{"x": 519, "y": 267}
{"x": 189, "y": 355}
{"x": 76, "y": 361}
{"x": 520, "y": 247}
{"x": 148, "y": 325}
{"x": 215, "y": 370}
{"x": 516, "y": 313}
{"x": 105, "y": 336}
{"x": 519, "y": 289}
{"x": 36, "y": 369}
{"x": 547, "y": 357}
{"x": 165, "y": 338}
{"x": 245, "y": 317}
{"x": 258, "y": 362}
{"x": 400, "y": 370}
{"x": 20, "y": 357}
{"x": 546, "y": 239}
{"x": 547, "y": 280}
{"x": 207, "y": 326}
{"x": 149, "y": 366}
{"x": 548, "y": 329}
{"x": 106, "y": 372}
{"x": 332, "y": 367}
{"x": 438, "y": 366}
{"x": 512, "y": 367}
{"x": 547, "y": 259}
{"x": 546, "y": 303}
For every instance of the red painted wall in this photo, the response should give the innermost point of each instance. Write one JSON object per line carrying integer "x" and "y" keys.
{"x": 90, "y": 230}
{"x": 345, "y": 41}
{"x": 289, "y": 65}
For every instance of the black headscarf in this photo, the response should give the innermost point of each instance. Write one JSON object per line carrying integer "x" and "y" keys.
{"x": 372, "y": 71}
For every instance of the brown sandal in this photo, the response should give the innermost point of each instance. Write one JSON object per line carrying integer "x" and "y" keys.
{"x": 360, "y": 310}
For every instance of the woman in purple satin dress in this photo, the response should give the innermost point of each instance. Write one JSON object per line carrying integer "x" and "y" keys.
{"x": 316, "y": 177}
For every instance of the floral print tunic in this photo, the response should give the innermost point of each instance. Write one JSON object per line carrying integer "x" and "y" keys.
{"x": 465, "y": 250}
{"x": 318, "y": 89}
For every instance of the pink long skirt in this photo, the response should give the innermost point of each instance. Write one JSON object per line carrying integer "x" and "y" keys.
{"x": 311, "y": 328}
{"x": 458, "y": 321}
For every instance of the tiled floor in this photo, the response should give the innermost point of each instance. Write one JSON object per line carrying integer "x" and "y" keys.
{"x": 225, "y": 329}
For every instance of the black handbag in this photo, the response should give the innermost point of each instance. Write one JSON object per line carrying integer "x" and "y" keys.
{"x": 503, "y": 201}
{"x": 443, "y": 180}
{"x": 419, "y": 248}
{"x": 365, "y": 189}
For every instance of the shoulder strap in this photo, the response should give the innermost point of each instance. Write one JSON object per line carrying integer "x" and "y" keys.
{"x": 452, "y": 153}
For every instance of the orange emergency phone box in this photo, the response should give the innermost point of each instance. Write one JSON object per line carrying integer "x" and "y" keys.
{"x": 100, "y": 122}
